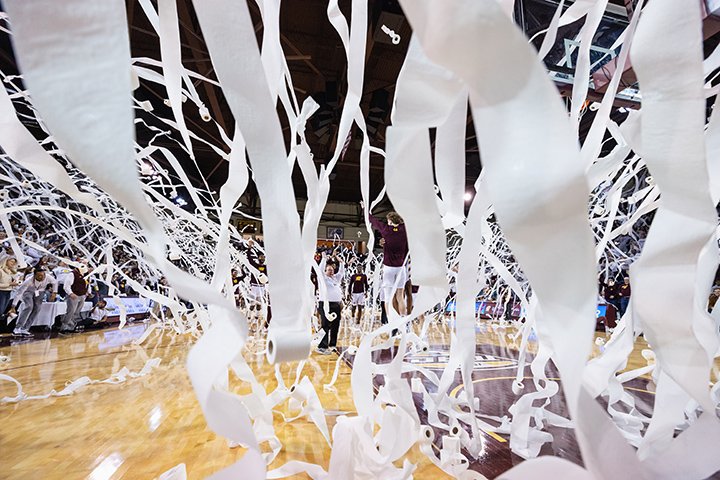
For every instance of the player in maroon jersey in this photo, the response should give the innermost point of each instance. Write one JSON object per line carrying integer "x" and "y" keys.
{"x": 357, "y": 287}
{"x": 395, "y": 253}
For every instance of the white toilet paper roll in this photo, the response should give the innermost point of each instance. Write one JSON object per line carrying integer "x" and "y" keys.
{"x": 517, "y": 387}
{"x": 288, "y": 346}
{"x": 426, "y": 434}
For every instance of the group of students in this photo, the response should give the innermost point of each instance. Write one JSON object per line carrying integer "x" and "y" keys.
{"x": 23, "y": 292}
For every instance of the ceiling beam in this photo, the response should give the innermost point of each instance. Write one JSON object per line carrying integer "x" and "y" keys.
{"x": 284, "y": 39}
{"x": 297, "y": 52}
{"x": 154, "y": 35}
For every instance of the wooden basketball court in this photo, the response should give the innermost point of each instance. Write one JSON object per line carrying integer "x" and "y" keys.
{"x": 147, "y": 425}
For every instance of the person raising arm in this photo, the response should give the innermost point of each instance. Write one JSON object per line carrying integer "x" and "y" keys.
{"x": 333, "y": 297}
{"x": 395, "y": 253}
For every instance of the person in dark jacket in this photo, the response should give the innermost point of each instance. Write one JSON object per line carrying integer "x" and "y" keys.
{"x": 624, "y": 294}
{"x": 610, "y": 293}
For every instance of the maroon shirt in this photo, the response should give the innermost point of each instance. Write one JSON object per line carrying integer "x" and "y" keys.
{"x": 396, "y": 245}
{"x": 79, "y": 285}
{"x": 261, "y": 267}
{"x": 624, "y": 290}
{"x": 610, "y": 291}
{"x": 358, "y": 283}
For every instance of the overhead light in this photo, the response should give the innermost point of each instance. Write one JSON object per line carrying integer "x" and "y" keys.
{"x": 180, "y": 201}
{"x": 468, "y": 196}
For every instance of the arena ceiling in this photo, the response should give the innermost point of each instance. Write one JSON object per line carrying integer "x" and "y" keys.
{"x": 317, "y": 62}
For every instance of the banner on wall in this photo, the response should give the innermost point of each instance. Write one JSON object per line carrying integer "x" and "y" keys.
{"x": 330, "y": 243}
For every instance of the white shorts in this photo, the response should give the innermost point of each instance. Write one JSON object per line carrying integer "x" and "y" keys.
{"x": 394, "y": 278}
{"x": 358, "y": 299}
{"x": 257, "y": 293}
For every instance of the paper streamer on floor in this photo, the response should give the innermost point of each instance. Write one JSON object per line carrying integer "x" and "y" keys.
{"x": 120, "y": 376}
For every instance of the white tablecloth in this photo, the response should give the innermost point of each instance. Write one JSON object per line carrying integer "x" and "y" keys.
{"x": 49, "y": 311}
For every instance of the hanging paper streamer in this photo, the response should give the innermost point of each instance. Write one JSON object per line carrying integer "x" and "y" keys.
{"x": 544, "y": 220}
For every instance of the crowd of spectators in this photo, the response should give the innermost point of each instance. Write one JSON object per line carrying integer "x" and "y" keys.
{"x": 39, "y": 269}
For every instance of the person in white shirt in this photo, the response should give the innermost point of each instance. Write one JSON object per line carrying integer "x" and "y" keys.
{"x": 33, "y": 255}
{"x": 61, "y": 272}
{"x": 333, "y": 297}
{"x": 98, "y": 313}
{"x": 30, "y": 295}
{"x": 96, "y": 317}
{"x": 8, "y": 281}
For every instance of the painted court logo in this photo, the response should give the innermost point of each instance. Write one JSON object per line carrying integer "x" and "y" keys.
{"x": 438, "y": 359}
